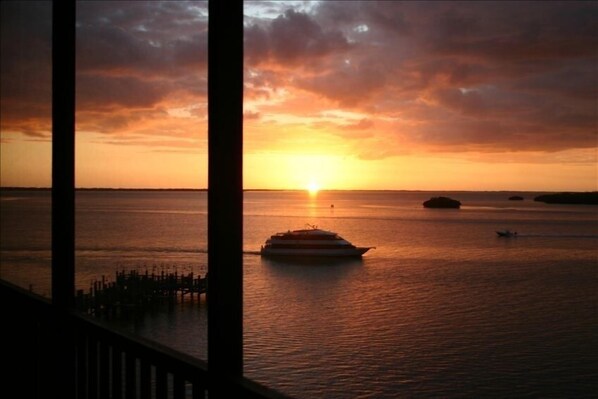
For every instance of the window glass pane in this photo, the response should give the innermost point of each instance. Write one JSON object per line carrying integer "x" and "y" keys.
{"x": 141, "y": 162}
{"x": 25, "y": 144}
{"x": 358, "y": 112}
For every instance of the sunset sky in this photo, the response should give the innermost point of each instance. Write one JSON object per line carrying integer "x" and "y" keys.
{"x": 338, "y": 95}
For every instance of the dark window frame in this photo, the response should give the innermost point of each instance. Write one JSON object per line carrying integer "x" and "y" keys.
{"x": 225, "y": 184}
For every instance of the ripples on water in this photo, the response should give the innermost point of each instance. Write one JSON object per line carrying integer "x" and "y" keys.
{"x": 441, "y": 308}
{"x": 428, "y": 330}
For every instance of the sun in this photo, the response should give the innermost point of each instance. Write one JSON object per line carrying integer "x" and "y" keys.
{"x": 313, "y": 188}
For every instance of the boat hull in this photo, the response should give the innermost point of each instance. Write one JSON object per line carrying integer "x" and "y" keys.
{"x": 310, "y": 252}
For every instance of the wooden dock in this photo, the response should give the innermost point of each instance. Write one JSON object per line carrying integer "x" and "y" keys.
{"x": 135, "y": 291}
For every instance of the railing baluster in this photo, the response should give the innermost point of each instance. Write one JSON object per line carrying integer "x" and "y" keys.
{"x": 92, "y": 375}
{"x": 29, "y": 319}
{"x": 145, "y": 379}
{"x": 82, "y": 364}
{"x": 117, "y": 372}
{"x": 199, "y": 389}
{"x": 130, "y": 375}
{"x": 178, "y": 386}
{"x": 161, "y": 383}
{"x": 104, "y": 364}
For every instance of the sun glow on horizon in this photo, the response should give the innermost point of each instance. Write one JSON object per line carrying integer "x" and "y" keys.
{"x": 312, "y": 188}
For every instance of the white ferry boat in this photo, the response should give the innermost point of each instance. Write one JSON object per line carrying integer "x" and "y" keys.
{"x": 310, "y": 242}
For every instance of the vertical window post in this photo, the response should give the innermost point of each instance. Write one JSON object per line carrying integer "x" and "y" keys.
{"x": 61, "y": 354}
{"x": 63, "y": 153}
{"x": 225, "y": 192}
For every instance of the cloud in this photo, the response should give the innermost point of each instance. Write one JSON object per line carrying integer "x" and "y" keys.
{"x": 142, "y": 70}
{"x": 575, "y": 80}
{"x": 101, "y": 92}
{"x": 293, "y": 38}
{"x": 505, "y": 34}
{"x": 251, "y": 115}
{"x": 488, "y": 76}
{"x": 25, "y": 78}
{"x": 143, "y": 39}
{"x": 426, "y": 76}
{"x": 363, "y": 124}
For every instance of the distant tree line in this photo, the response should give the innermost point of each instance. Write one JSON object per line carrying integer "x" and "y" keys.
{"x": 586, "y": 198}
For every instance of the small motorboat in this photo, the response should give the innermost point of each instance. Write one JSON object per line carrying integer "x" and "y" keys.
{"x": 506, "y": 233}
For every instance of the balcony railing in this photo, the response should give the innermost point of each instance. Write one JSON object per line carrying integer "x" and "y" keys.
{"x": 109, "y": 363}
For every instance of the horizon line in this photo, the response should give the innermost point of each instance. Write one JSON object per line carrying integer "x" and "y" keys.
{"x": 32, "y": 188}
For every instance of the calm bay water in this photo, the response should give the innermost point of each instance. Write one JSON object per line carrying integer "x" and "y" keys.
{"x": 441, "y": 308}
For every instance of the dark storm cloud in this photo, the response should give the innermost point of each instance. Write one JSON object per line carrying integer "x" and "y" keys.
{"x": 290, "y": 39}
{"x": 471, "y": 40}
{"x": 515, "y": 31}
{"x": 130, "y": 55}
{"x": 130, "y": 92}
{"x": 25, "y": 67}
{"x": 136, "y": 57}
{"x": 497, "y": 76}
{"x": 149, "y": 40}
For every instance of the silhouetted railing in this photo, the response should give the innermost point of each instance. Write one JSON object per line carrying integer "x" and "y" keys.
{"x": 113, "y": 364}
{"x": 109, "y": 363}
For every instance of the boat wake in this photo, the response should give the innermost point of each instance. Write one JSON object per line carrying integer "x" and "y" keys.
{"x": 141, "y": 249}
{"x": 155, "y": 250}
